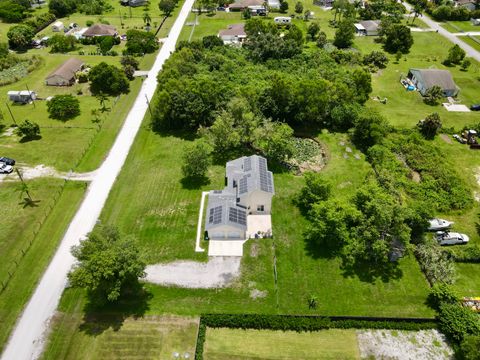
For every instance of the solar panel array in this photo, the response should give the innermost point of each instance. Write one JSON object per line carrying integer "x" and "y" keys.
{"x": 237, "y": 216}
{"x": 247, "y": 164}
{"x": 215, "y": 215}
{"x": 266, "y": 183}
{"x": 243, "y": 188}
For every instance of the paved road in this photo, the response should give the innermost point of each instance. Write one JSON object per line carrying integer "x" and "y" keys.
{"x": 28, "y": 337}
{"x": 471, "y": 52}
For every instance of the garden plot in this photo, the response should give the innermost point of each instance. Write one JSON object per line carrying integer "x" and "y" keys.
{"x": 403, "y": 345}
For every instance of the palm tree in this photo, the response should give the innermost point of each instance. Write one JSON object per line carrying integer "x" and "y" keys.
{"x": 24, "y": 189}
{"x": 417, "y": 11}
{"x": 102, "y": 99}
{"x": 146, "y": 18}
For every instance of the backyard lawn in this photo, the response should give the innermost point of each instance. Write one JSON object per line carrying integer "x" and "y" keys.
{"x": 110, "y": 337}
{"x": 237, "y": 344}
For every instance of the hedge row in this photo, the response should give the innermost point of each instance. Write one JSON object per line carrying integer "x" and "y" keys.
{"x": 304, "y": 323}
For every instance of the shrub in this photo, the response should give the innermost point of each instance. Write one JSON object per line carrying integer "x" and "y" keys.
{"x": 457, "y": 321}
{"x": 106, "y": 44}
{"x": 370, "y": 128}
{"x": 20, "y": 36}
{"x": 430, "y": 125}
{"x": 437, "y": 265}
{"x": 63, "y": 107}
{"x": 466, "y": 64}
{"x": 141, "y": 42}
{"x": 196, "y": 159}
{"x": 441, "y": 293}
{"x": 455, "y": 55}
{"x": 129, "y": 60}
{"x": 376, "y": 58}
{"x": 62, "y": 43}
{"x": 433, "y": 95}
{"x": 470, "y": 348}
{"x": 316, "y": 189}
{"x": 28, "y": 130}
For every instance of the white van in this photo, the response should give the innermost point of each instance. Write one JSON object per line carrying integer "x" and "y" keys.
{"x": 282, "y": 20}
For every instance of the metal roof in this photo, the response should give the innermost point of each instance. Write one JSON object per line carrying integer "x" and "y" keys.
{"x": 432, "y": 77}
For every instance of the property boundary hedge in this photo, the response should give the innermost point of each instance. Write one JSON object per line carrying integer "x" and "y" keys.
{"x": 304, "y": 323}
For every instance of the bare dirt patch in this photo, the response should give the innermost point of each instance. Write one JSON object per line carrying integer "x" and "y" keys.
{"x": 216, "y": 273}
{"x": 403, "y": 345}
{"x": 258, "y": 294}
{"x": 41, "y": 170}
{"x": 446, "y": 138}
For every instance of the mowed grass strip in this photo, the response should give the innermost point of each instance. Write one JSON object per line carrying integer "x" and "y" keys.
{"x": 33, "y": 264}
{"x": 238, "y": 344}
{"x": 111, "y": 337}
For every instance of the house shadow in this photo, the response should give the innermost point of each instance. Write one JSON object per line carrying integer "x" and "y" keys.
{"x": 97, "y": 319}
{"x": 194, "y": 183}
{"x": 370, "y": 272}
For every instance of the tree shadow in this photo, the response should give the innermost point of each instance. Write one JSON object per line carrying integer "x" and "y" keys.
{"x": 27, "y": 202}
{"x": 181, "y": 134}
{"x": 26, "y": 139}
{"x": 194, "y": 183}
{"x": 98, "y": 319}
{"x": 370, "y": 272}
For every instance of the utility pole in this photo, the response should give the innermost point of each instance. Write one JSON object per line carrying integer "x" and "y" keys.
{"x": 10, "y": 111}
{"x": 30, "y": 94}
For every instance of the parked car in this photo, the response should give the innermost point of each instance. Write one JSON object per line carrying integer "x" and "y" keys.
{"x": 475, "y": 107}
{"x": 439, "y": 224}
{"x": 7, "y": 161}
{"x": 451, "y": 238}
{"x": 5, "y": 169}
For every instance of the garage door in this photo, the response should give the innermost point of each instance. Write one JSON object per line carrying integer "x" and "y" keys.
{"x": 234, "y": 235}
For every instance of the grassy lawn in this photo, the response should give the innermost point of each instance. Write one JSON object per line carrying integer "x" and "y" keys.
{"x": 404, "y": 109}
{"x": 266, "y": 344}
{"x": 459, "y": 26}
{"x": 108, "y": 337}
{"x": 20, "y": 223}
{"x": 475, "y": 43}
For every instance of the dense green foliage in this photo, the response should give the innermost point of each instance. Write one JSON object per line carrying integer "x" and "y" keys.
{"x": 12, "y": 11}
{"x": 441, "y": 293}
{"x": 109, "y": 266}
{"x": 457, "y": 321}
{"x": 41, "y": 21}
{"x": 430, "y": 126}
{"x": 108, "y": 79}
{"x": 61, "y": 43}
{"x": 344, "y": 34}
{"x": 470, "y": 348}
{"x": 167, "y": 6}
{"x": 397, "y": 37}
{"x": 63, "y": 8}
{"x": 305, "y": 90}
{"x": 63, "y": 107}
{"x": 437, "y": 264}
{"x": 455, "y": 55}
{"x": 433, "y": 95}
{"x": 20, "y": 36}
{"x": 28, "y": 130}
{"x": 196, "y": 159}
{"x": 140, "y": 42}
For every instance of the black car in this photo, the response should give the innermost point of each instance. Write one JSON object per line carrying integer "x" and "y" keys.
{"x": 7, "y": 161}
{"x": 475, "y": 107}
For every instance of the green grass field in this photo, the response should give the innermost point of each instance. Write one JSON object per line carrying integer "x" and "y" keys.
{"x": 475, "y": 43}
{"x": 237, "y": 344}
{"x": 22, "y": 223}
{"x": 108, "y": 337}
{"x": 461, "y": 26}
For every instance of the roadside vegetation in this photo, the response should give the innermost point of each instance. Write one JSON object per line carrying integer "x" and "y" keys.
{"x": 350, "y": 239}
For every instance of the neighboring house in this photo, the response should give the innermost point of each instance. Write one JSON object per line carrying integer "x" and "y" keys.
{"x": 58, "y": 26}
{"x": 234, "y": 34}
{"x": 468, "y": 4}
{"x": 368, "y": 27}
{"x": 248, "y": 191}
{"x": 100, "y": 30}
{"x": 425, "y": 79}
{"x": 475, "y": 22}
{"x": 22, "y": 97}
{"x": 241, "y": 5}
{"x": 65, "y": 74}
{"x": 134, "y": 3}
{"x": 274, "y": 4}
